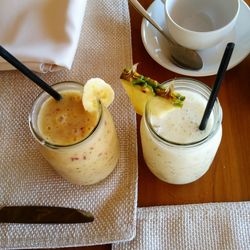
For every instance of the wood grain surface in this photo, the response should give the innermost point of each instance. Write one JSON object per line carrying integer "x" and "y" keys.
{"x": 228, "y": 179}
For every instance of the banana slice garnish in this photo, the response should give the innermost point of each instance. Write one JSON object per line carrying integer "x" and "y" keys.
{"x": 96, "y": 90}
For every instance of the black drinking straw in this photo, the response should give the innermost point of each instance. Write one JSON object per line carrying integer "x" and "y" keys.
{"x": 215, "y": 90}
{"x": 27, "y": 72}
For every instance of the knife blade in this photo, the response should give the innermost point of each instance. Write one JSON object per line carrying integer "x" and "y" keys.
{"x": 43, "y": 215}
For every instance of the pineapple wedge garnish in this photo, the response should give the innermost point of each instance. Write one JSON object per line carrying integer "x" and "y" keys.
{"x": 140, "y": 89}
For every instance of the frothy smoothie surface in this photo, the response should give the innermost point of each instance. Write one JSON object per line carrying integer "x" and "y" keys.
{"x": 66, "y": 121}
{"x": 181, "y": 125}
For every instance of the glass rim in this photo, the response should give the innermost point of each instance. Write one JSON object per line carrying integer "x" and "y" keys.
{"x": 189, "y": 82}
{"x": 44, "y": 142}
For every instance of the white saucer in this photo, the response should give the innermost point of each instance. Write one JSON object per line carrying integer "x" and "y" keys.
{"x": 157, "y": 47}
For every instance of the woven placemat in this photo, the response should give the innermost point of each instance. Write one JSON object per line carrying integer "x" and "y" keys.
{"x": 199, "y": 226}
{"x": 26, "y": 178}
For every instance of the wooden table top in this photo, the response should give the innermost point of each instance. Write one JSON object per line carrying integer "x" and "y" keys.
{"x": 228, "y": 179}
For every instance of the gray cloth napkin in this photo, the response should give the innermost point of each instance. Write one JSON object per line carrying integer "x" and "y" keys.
{"x": 202, "y": 226}
{"x": 26, "y": 178}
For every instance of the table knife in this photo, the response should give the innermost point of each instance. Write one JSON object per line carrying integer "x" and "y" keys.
{"x": 43, "y": 215}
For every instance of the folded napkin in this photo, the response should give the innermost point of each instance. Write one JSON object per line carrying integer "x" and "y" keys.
{"x": 202, "y": 226}
{"x": 43, "y": 34}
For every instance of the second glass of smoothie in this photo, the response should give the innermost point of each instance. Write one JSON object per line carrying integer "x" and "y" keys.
{"x": 174, "y": 148}
{"x": 81, "y": 146}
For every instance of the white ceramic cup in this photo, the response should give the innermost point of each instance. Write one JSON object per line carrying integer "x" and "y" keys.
{"x": 200, "y": 24}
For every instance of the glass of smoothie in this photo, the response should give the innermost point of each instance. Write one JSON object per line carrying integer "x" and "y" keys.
{"x": 81, "y": 146}
{"x": 174, "y": 148}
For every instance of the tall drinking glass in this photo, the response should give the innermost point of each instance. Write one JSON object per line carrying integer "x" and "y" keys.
{"x": 174, "y": 148}
{"x": 83, "y": 153}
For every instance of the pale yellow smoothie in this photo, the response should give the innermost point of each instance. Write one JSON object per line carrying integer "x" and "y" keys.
{"x": 174, "y": 148}
{"x": 66, "y": 121}
{"x": 81, "y": 146}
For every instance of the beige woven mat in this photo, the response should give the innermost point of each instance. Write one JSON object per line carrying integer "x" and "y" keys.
{"x": 200, "y": 226}
{"x": 25, "y": 178}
